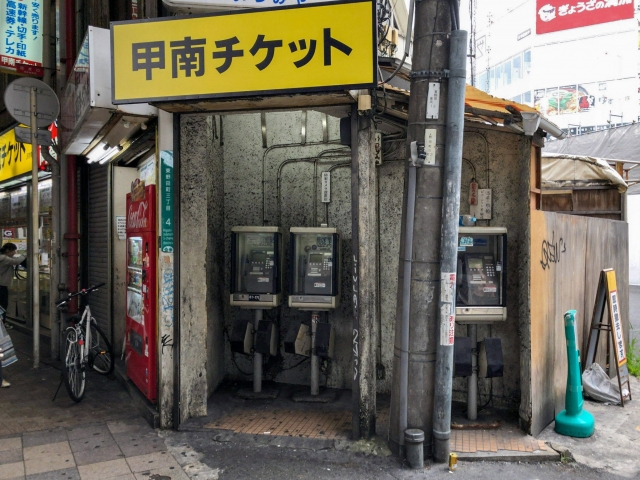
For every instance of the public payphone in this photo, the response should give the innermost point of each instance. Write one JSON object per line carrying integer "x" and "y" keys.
{"x": 481, "y": 275}
{"x": 256, "y": 284}
{"x": 314, "y": 268}
{"x": 481, "y": 287}
{"x": 256, "y": 261}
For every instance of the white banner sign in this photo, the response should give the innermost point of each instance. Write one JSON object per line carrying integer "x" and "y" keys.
{"x": 21, "y": 24}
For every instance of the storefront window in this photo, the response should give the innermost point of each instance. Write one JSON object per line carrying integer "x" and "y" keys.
{"x": 14, "y": 222}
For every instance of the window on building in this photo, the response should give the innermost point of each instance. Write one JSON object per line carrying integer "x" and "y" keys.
{"x": 482, "y": 81}
{"x": 526, "y": 64}
{"x": 517, "y": 68}
{"x": 506, "y": 72}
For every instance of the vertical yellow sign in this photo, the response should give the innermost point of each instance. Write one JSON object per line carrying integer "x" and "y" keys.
{"x": 614, "y": 315}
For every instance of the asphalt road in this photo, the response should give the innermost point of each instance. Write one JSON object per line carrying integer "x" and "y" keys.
{"x": 252, "y": 461}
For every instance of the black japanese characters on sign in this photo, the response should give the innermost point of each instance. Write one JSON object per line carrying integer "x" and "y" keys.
{"x": 217, "y": 55}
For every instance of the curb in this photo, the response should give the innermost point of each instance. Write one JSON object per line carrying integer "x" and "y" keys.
{"x": 542, "y": 456}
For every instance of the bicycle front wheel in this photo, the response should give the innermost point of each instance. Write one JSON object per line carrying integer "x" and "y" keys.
{"x": 73, "y": 373}
{"x": 101, "y": 353}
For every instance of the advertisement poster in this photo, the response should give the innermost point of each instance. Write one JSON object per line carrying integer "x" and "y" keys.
{"x": 21, "y": 24}
{"x": 557, "y": 15}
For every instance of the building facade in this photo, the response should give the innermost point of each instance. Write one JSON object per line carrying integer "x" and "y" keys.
{"x": 568, "y": 59}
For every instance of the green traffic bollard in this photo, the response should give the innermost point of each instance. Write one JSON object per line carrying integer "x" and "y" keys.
{"x": 574, "y": 421}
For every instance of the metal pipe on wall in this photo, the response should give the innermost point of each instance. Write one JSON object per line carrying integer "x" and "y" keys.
{"x": 72, "y": 235}
{"x": 486, "y": 155}
{"x": 472, "y": 381}
{"x": 34, "y": 237}
{"x": 257, "y": 357}
{"x": 449, "y": 246}
{"x": 264, "y": 166}
{"x": 315, "y": 360}
{"x": 406, "y": 305}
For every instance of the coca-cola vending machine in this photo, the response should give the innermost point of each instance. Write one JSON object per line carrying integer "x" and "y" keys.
{"x": 141, "y": 290}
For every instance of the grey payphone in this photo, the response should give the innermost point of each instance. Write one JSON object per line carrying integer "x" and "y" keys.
{"x": 256, "y": 273}
{"x": 481, "y": 284}
{"x": 315, "y": 286}
{"x": 256, "y": 283}
{"x": 481, "y": 275}
{"x": 315, "y": 268}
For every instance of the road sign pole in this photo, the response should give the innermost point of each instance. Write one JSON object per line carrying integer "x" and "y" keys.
{"x": 34, "y": 262}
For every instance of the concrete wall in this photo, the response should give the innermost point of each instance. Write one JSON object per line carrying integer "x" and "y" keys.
{"x": 498, "y": 161}
{"x": 633, "y": 217}
{"x": 243, "y": 156}
{"x": 241, "y": 204}
{"x": 200, "y": 258}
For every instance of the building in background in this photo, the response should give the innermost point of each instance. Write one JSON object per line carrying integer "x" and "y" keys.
{"x": 568, "y": 58}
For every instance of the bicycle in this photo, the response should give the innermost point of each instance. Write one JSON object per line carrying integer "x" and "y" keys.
{"x": 83, "y": 332}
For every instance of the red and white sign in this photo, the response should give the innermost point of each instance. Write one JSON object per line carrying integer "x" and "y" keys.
{"x": 141, "y": 214}
{"x": 556, "y": 15}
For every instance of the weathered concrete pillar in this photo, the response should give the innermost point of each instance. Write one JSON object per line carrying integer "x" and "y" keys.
{"x": 215, "y": 261}
{"x": 166, "y": 281}
{"x": 197, "y": 257}
{"x": 368, "y": 278}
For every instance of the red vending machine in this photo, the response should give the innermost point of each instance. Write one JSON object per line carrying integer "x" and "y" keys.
{"x": 141, "y": 328}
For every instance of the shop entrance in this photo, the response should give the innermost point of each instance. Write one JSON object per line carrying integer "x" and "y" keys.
{"x": 14, "y": 220}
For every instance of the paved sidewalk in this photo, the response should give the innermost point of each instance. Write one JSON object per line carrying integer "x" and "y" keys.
{"x": 117, "y": 449}
{"x": 614, "y": 445}
{"x": 27, "y": 405}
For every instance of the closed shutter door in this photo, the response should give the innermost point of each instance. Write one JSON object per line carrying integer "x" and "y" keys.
{"x": 98, "y": 244}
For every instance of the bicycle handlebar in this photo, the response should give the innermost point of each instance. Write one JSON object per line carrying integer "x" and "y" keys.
{"x": 84, "y": 291}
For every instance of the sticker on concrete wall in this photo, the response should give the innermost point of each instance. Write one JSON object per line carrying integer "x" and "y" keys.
{"x": 447, "y": 284}
{"x": 447, "y": 325}
{"x": 121, "y": 227}
{"x": 447, "y": 308}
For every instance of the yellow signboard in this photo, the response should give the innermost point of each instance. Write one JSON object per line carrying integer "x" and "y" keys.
{"x": 298, "y": 49}
{"x": 15, "y": 157}
{"x": 616, "y": 321}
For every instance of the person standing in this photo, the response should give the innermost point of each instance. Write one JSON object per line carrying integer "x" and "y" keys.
{"x": 8, "y": 260}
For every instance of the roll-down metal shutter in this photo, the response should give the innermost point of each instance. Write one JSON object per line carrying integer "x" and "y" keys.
{"x": 98, "y": 245}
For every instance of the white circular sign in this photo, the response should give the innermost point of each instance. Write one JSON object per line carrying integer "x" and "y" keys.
{"x": 17, "y": 99}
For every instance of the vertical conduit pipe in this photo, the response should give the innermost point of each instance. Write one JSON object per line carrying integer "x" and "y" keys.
{"x": 406, "y": 305}
{"x": 449, "y": 246}
{"x": 72, "y": 235}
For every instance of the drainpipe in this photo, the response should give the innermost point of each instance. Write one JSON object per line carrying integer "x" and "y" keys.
{"x": 72, "y": 236}
{"x": 449, "y": 247}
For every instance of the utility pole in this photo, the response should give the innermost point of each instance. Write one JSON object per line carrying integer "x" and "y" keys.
{"x": 418, "y": 333}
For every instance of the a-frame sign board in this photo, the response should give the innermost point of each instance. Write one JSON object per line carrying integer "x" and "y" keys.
{"x": 607, "y": 293}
